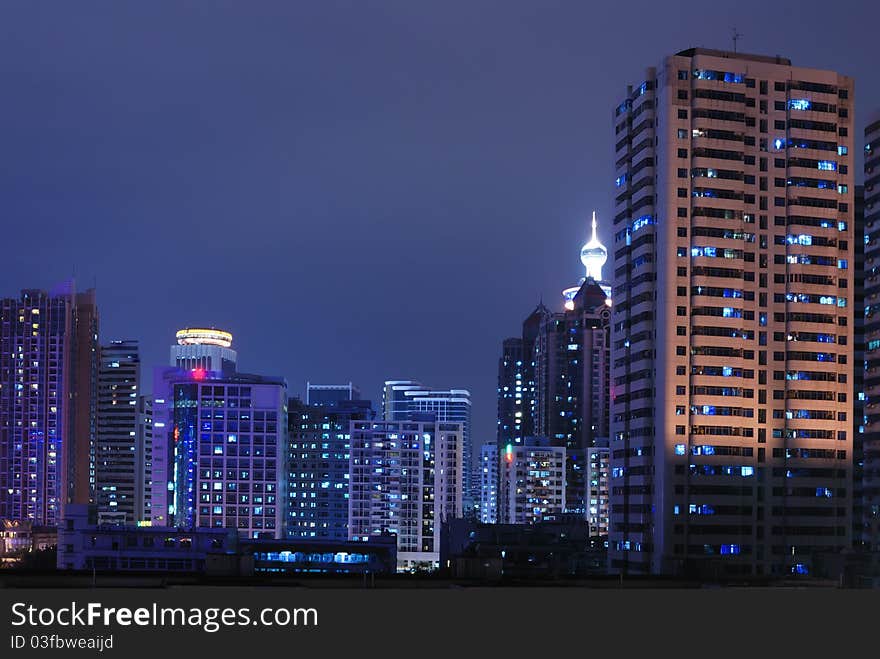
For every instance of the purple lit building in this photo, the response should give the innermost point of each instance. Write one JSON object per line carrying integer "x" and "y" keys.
{"x": 219, "y": 440}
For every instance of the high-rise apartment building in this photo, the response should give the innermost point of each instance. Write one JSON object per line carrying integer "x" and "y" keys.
{"x": 532, "y": 488}
{"x": 517, "y": 382}
{"x": 572, "y": 357}
{"x": 118, "y": 457}
{"x": 489, "y": 483}
{"x": 406, "y": 479}
{"x": 732, "y": 318}
{"x": 871, "y": 363}
{"x": 513, "y": 413}
{"x": 84, "y": 396}
{"x": 858, "y": 417}
{"x": 219, "y": 443}
{"x": 598, "y": 490}
{"x": 48, "y": 377}
{"x": 144, "y": 460}
{"x": 319, "y": 441}
{"x": 404, "y": 398}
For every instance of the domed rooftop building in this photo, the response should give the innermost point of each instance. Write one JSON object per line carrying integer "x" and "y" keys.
{"x": 594, "y": 255}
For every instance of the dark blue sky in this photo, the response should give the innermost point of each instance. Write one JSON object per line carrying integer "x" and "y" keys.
{"x": 357, "y": 190}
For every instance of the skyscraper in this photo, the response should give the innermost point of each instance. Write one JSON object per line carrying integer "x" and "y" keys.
{"x": 858, "y": 420}
{"x": 406, "y": 478}
{"x": 489, "y": 481}
{"x": 219, "y": 442}
{"x": 513, "y": 412}
{"x": 404, "y": 398}
{"x": 84, "y": 395}
{"x": 47, "y": 385}
{"x": 144, "y": 460}
{"x": 732, "y": 317}
{"x": 572, "y": 358}
{"x": 118, "y": 458}
{"x": 517, "y": 382}
{"x": 319, "y": 441}
{"x": 553, "y": 382}
{"x": 871, "y": 419}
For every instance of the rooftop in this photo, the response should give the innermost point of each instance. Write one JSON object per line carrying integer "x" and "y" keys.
{"x": 767, "y": 59}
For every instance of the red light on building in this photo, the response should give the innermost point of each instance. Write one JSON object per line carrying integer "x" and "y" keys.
{"x": 198, "y": 374}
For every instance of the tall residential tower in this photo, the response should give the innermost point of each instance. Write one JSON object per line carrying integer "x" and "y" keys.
{"x": 732, "y": 318}
{"x": 118, "y": 458}
{"x": 871, "y": 435}
{"x": 48, "y": 377}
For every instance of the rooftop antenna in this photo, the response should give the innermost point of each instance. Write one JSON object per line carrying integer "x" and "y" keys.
{"x": 736, "y": 36}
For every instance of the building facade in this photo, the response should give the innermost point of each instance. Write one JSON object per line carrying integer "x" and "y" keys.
{"x": 404, "y": 398}
{"x": 406, "y": 479}
{"x": 48, "y": 377}
{"x": 319, "y": 439}
{"x": 572, "y": 357}
{"x": 144, "y": 460}
{"x": 871, "y": 327}
{"x": 732, "y": 320}
{"x": 219, "y": 450}
{"x": 532, "y": 486}
{"x": 489, "y": 482}
{"x": 118, "y": 457}
{"x": 598, "y": 490}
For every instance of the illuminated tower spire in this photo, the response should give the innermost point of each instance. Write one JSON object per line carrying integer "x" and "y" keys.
{"x": 594, "y": 255}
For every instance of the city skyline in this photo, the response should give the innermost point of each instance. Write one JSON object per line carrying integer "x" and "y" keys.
{"x": 342, "y": 171}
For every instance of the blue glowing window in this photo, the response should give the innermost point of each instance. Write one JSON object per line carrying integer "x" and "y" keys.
{"x": 779, "y": 143}
{"x": 799, "y": 104}
{"x": 642, "y": 221}
{"x": 730, "y": 549}
{"x": 842, "y": 150}
{"x": 827, "y": 165}
{"x": 679, "y": 449}
{"x": 747, "y": 471}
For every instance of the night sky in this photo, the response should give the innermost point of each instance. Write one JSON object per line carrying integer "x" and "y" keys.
{"x": 357, "y": 190}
